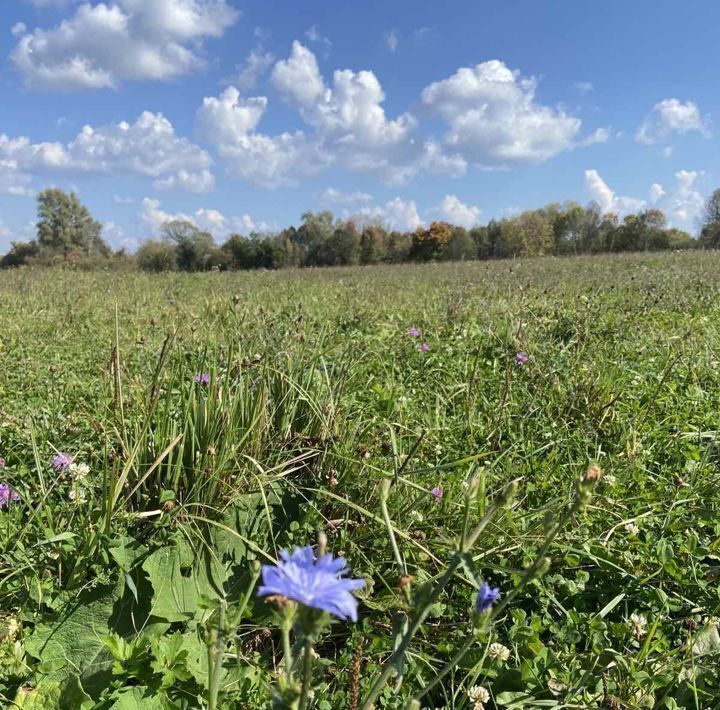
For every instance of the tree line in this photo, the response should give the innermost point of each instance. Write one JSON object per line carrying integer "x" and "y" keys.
{"x": 66, "y": 232}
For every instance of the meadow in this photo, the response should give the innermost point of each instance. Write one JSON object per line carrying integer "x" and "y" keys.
{"x": 546, "y": 428}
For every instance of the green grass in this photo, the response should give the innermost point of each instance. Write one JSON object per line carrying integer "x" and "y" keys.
{"x": 142, "y": 596}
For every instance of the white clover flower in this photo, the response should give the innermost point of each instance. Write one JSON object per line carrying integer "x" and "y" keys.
{"x": 610, "y": 479}
{"x": 478, "y": 695}
{"x": 638, "y": 624}
{"x": 9, "y": 629}
{"x": 499, "y": 652}
{"x": 417, "y": 515}
{"x": 77, "y": 495}
{"x": 631, "y": 529}
{"x": 79, "y": 471}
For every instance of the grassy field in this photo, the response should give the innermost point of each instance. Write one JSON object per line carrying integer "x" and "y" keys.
{"x": 129, "y": 579}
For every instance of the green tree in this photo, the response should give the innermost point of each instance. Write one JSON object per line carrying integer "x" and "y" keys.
{"x": 156, "y": 256}
{"x": 195, "y": 250}
{"x": 20, "y": 254}
{"x": 429, "y": 244}
{"x": 397, "y": 247}
{"x": 529, "y": 234}
{"x": 372, "y": 244}
{"x": 710, "y": 224}
{"x": 343, "y": 248}
{"x": 65, "y": 225}
{"x": 312, "y": 237}
{"x": 461, "y": 246}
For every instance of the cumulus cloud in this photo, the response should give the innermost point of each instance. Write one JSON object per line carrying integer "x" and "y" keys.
{"x": 148, "y": 147}
{"x": 101, "y": 45}
{"x": 227, "y": 118}
{"x": 298, "y": 77}
{"x": 682, "y": 203}
{"x": 493, "y": 117}
{"x": 346, "y": 126}
{"x": 656, "y": 192}
{"x": 228, "y": 122}
{"x": 671, "y": 116}
{"x": 608, "y": 200}
{"x": 211, "y": 220}
{"x": 257, "y": 63}
{"x": 685, "y": 203}
{"x": 457, "y": 212}
{"x": 395, "y": 214}
{"x": 350, "y": 111}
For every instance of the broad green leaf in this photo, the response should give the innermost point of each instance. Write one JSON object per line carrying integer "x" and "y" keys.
{"x": 707, "y": 641}
{"x": 142, "y": 698}
{"x": 75, "y": 644}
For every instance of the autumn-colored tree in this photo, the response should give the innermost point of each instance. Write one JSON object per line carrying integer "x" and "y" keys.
{"x": 429, "y": 244}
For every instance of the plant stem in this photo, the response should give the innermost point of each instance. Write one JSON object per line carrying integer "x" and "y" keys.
{"x": 216, "y": 645}
{"x": 307, "y": 675}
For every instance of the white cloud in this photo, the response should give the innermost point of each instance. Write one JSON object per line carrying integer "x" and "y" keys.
{"x": 298, "y": 78}
{"x": 493, "y": 116}
{"x": 583, "y": 87}
{"x": 228, "y": 123}
{"x": 671, "y": 116}
{"x": 19, "y": 28}
{"x": 685, "y": 203}
{"x": 314, "y": 35}
{"x": 396, "y": 214}
{"x": 457, "y": 212}
{"x": 600, "y": 135}
{"x": 256, "y": 64}
{"x": 120, "y": 200}
{"x": 682, "y": 204}
{"x": 656, "y": 192}
{"x": 148, "y": 147}
{"x": 608, "y": 200}
{"x": 345, "y": 198}
{"x": 346, "y": 127}
{"x": 228, "y": 118}
{"x": 211, "y": 220}
{"x": 349, "y": 112}
{"x": 391, "y": 40}
{"x": 101, "y": 45}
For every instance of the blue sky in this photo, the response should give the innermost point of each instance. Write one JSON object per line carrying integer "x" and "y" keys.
{"x": 242, "y": 114}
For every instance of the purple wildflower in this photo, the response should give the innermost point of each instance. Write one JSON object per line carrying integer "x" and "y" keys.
{"x": 2, "y": 464}
{"x": 7, "y": 494}
{"x": 414, "y": 332}
{"x": 521, "y": 358}
{"x": 202, "y": 378}
{"x": 62, "y": 462}
{"x": 486, "y": 597}
{"x": 437, "y": 492}
{"x": 316, "y": 583}
{"x": 423, "y": 347}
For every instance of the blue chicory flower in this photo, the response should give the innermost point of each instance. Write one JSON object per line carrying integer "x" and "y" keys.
{"x": 315, "y": 583}
{"x": 486, "y": 597}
